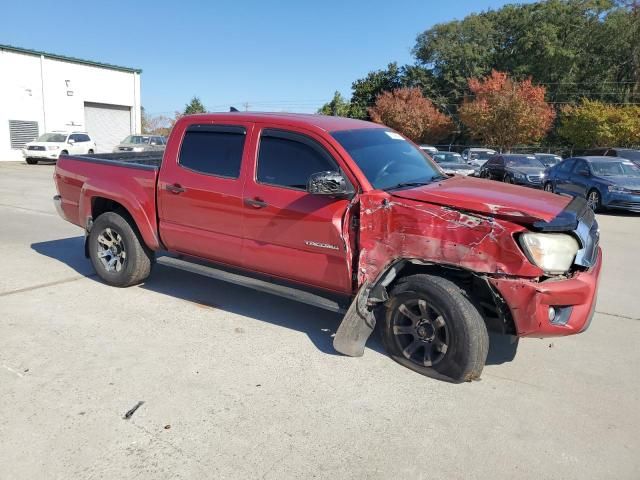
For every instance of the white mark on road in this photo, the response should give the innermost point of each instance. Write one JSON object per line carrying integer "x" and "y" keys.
{"x": 13, "y": 371}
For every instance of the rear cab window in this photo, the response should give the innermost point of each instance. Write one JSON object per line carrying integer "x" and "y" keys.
{"x": 213, "y": 150}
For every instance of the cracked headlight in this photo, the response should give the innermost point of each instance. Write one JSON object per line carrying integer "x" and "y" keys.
{"x": 552, "y": 252}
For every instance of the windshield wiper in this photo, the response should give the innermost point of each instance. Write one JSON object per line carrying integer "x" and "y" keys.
{"x": 415, "y": 184}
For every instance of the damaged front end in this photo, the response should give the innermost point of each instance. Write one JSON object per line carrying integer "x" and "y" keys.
{"x": 479, "y": 249}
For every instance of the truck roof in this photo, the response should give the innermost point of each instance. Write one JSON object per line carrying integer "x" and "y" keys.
{"x": 324, "y": 122}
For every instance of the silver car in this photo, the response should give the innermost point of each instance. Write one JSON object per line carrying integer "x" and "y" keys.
{"x": 141, "y": 143}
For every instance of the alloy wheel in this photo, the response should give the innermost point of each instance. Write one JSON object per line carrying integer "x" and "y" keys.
{"x": 421, "y": 332}
{"x": 111, "y": 250}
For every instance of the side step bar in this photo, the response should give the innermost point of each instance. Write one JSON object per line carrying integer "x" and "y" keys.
{"x": 254, "y": 283}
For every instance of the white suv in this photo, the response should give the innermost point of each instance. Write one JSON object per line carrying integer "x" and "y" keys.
{"x": 51, "y": 145}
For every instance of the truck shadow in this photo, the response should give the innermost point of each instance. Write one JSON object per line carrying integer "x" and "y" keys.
{"x": 319, "y": 325}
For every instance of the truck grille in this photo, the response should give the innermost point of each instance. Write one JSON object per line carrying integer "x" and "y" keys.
{"x": 534, "y": 178}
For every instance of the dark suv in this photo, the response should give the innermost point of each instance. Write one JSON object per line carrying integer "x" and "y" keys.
{"x": 514, "y": 168}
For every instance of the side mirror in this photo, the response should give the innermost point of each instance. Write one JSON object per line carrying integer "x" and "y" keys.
{"x": 329, "y": 183}
{"x": 71, "y": 141}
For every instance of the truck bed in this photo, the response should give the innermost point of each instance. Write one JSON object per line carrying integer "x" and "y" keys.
{"x": 145, "y": 160}
{"x": 126, "y": 178}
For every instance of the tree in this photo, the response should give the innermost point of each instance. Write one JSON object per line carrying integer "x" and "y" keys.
{"x": 407, "y": 111}
{"x": 596, "y": 124}
{"x": 194, "y": 106}
{"x": 338, "y": 106}
{"x": 576, "y": 47}
{"x": 503, "y": 113}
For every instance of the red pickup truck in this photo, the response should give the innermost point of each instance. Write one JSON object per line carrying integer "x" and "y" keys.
{"x": 350, "y": 216}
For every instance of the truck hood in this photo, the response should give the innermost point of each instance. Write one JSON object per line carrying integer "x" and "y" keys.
{"x": 487, "y": 197}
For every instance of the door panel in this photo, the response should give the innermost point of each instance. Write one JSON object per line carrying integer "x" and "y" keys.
{"x": 200, "y": 193}
{"x": 288, "y": 232}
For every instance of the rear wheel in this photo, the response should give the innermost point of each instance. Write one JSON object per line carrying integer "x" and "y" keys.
{"x": 117, "y": 252}
{"x": 594, "y": 200}
{"x": 31, "y": 161}
{"x": 432, "y": 328}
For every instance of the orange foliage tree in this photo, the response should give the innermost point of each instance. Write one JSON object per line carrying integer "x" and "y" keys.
{"x": 503, "y": 112}
{"x": 407, "y": 111}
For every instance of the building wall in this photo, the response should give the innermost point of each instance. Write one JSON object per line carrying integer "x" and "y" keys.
{"x": 53, "y": 93}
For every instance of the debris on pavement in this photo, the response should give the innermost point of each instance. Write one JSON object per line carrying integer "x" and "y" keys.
{"x": 129, "y": 414}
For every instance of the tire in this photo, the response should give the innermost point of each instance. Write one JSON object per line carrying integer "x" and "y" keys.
{"x": 548, "y": 187}
{"x": 117, "y": 252}
{"x": 64, "y": 152}
{"x": 443, "y": 335}
{"x": 507, "y": 179}
{"x": 594, "y": 200}
{"x": 90, "y": 152}
{"x": 31, "y": 161}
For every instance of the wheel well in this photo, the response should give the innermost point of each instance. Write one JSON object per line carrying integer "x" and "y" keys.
{"x": 476, "y": 287}
{"x": 100, "y": 205}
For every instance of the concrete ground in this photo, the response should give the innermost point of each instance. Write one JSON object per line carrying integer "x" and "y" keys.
{"x": 239, "y": 384}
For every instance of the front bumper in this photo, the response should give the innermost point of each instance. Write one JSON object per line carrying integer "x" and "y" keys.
{"x": 528, "y": 183}
{"x": 41, "y": 154}
{"x": 529, "y": 302}
{"x": 622, "y": 201}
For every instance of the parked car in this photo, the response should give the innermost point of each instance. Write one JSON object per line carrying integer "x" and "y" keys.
{"x": 477, "y": 156}
{"x": 141, "y": 143}
{"x": 606, "y": 182}
{"x": 451, "y": 163}
{"x": 349, "y": 216}
{"x": 429, "y": 149}
{"x": 628, "y": 153}
{"x": 548, "y": 159}
{"x": 514, "y": 168}
{"x": 50, "y": 146}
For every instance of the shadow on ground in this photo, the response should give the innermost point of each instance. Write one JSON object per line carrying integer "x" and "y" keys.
{"x": 318, "y": 324}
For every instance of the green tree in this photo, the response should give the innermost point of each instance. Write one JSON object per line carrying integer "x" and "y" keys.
{"x": 194, "y": 106}
{"x": 576, "y": 48}
{"x": 338, "y": 106}
{"x": 596, "y": 124}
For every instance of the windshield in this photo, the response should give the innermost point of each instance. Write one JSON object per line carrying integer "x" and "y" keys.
{"x": 138, "y": 139}
{"x": 615, "y": 169}
{"x": 447, "y": 157}
{"x": 386, "y": 158}
{"x": 482, "y": 155}
{"x": 523, "y": 162}
{"x": 52, "y": 137}
{"x": 549, "y": 160}
{"x": 630, "y": 154}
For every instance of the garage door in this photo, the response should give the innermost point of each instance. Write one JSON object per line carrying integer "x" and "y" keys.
{"x": 107, "y": 124}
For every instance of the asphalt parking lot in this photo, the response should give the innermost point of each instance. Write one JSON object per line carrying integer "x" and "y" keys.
{"x": 239, "y": 384}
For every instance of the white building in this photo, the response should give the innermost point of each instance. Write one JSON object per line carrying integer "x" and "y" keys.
{"x": 41, "y": 92}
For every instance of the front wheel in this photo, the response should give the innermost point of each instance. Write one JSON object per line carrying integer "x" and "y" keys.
{"x": 117, "y": 252}
{"x": 31, "y": 161}
{"x": 594, "y": 200}
{"x": 431, "y": 327}
{"x": 508, "y": 179}
{"x": 548, "y": 187}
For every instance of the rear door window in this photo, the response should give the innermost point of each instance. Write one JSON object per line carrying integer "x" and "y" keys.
{"x": 565, "y": 166}
{"x": 288, "y": 159}
{"x": 213, "y": 149}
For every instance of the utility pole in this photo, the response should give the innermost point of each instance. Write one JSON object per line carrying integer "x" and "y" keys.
{"x": 246, "y": 106}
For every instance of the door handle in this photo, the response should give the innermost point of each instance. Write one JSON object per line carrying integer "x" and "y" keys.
{"x": 255, "y": 202}
{"x": 175, "y": 188}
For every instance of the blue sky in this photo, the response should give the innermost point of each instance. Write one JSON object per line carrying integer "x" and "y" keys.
{"x": 275, "y": 55}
